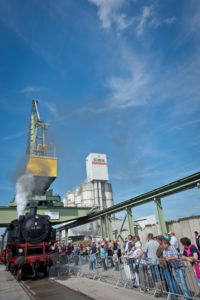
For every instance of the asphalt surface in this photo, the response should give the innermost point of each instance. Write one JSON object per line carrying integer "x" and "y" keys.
{"x": 9, "y": 287}
{"x": 46, "y": 289}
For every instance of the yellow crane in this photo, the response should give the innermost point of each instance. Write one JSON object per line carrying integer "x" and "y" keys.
{"x": 42, "y": 161}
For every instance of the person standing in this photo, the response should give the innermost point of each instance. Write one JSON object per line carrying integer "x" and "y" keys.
{"x": 174, "y": 241}
{"x": 197, "y": 238}
{"x": 76, "y": 254}
{"x": 119, "y": 251}
{"x": 93, "y": 258}
{"x": 173, "y": 257}
{"x": 150, "y": 249}
{"x": 130, "y": 247}
{"x": 80, "y": 252}
{"x": 191, "y": 254}
{"x": 136, "y": 263}
{"x": 88, "y": 252}
{"x": 165, "y": 269}
{"x": 137, "y": 242}
{"x": 103, "y": 257}
{"x": 110, "y": 253}
{"x": 115, "y": 255}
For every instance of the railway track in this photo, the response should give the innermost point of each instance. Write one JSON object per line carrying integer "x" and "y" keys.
{"x": 47, "y": 289}
{"x": 28, "y": 292}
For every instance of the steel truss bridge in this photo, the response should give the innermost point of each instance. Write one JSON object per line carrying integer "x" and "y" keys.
{"x": 155, "y": 196}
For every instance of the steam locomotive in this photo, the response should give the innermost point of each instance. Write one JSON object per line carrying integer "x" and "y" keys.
{"x": 29, "y": 250}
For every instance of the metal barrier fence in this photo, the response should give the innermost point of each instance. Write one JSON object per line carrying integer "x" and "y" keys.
{"x": 158, "y": 279}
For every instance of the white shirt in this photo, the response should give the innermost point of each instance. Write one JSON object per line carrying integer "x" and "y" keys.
{"x": 141, "y": 260}
{"x": 131, "y": 253}
{"x": 174, "y": 242}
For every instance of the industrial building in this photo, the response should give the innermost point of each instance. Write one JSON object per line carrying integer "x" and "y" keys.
{"x": 96, "y": 191}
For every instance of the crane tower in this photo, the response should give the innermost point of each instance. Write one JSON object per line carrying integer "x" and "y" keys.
{"x": 42, "y": 161}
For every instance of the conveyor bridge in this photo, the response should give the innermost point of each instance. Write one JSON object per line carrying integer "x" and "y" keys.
{"x": 155, "y": 196}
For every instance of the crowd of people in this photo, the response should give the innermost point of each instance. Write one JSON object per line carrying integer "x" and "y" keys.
{"x": 166, "y": 262}
{"x": 159, "y": 260}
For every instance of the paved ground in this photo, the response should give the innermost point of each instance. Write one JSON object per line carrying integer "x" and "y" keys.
{"x": 9, "y": 287}
{"x": 102, "y": 291}
{"x": 47, "y": 289}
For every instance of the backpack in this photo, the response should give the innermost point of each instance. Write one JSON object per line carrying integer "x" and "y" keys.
{"x": 196, "y": 265}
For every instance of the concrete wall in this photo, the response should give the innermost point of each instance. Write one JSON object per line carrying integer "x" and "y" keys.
{"x": 183, "y": 227}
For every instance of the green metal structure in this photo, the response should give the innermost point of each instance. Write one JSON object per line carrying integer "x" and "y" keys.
{"x": 155, "y": 196}
{"x": 58, "y": 214}
{"x": 109, "y": 227}
{"x": 36, "y": 138}
{"x": 160, "y": 215}
{"x": 130, "y": 220}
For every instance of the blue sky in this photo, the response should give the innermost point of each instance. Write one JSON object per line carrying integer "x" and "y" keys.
{"x": 119, "y": 77}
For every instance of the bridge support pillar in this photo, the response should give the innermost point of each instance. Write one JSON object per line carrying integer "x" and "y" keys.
{"x": 109, "y": 227}
{"x": 66, "y": 236}
{"x": 160, "y": 215}
{"x": 130, "y": 221}
{"x": 103, "y": 228}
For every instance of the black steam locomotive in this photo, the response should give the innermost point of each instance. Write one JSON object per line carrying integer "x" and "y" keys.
{"x": 30, "y": 245}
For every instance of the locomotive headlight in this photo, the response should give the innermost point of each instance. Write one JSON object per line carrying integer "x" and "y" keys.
{"x": 20, "y": 250}
{"x": 36, "y": 217}
{"x": 52, "y": 247}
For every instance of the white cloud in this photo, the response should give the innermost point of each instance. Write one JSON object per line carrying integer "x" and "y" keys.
{"x": 12, "y": 136}
{"x": 30, "y": 89}
{"x": 112, "y": 12}
{"x": 131, "y": 89}
{"x": 192, "y": 22}
{"x": 142, "y": 20}
{"x": 156, "y": 21}
{"x": 53, "y": 109}
{"x": 184, "y": 125}
{"x": 109, "y": 13}
{"x": 134, "y": 176}
{"x": 146, "y": 81}
{"x": 128, "y": 91}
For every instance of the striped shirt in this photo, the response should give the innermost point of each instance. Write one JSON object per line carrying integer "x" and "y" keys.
{"x": 172, "y": 252}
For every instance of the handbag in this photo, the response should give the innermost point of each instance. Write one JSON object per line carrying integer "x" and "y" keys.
{"x": 127, "y": 271}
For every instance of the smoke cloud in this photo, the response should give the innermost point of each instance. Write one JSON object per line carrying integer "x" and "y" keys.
{"x": 24, "y": 186}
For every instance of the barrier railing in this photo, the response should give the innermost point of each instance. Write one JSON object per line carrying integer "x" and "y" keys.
{"x": 158, "y": 279}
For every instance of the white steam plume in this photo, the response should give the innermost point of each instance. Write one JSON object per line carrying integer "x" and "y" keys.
{"x": 23, "y": 188}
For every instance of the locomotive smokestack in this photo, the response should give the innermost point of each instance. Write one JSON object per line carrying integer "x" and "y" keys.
{"x": 33, "y": 208}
